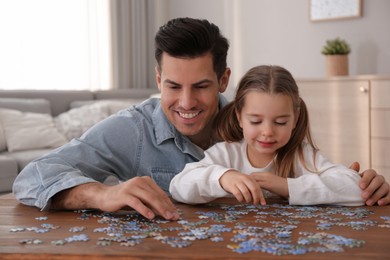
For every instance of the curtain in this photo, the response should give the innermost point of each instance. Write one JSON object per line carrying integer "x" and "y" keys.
{"x": 129, "y": 23}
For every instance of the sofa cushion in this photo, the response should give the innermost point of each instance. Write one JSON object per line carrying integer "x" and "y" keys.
{"x": 35, "y": 105}
{"x": 59, "y": 99}
{"x": 3, "y": 143}
{"x": 22, "y": 158}
{"x": 9, "y": 171}
{"x": 25, "y": 131}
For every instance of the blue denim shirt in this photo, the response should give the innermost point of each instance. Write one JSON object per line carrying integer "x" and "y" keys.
{"x": 138, "y": 141}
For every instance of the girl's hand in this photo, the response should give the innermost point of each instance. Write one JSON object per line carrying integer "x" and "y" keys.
{"x": 272, "y": 183}
{"x": 243, "y": 187}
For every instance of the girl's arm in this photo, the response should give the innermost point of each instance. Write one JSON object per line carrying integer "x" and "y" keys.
{"x": 332, "y": 184}
{"x": 213, "y": 177}
{"x": 198, "y": 183}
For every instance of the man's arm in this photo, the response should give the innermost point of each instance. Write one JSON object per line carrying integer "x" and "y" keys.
{"x": 374, "y": 187}
{"x": 140, "y": 193}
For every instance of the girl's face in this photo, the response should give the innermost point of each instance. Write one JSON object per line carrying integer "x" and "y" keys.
{"x": 267, "y": 121}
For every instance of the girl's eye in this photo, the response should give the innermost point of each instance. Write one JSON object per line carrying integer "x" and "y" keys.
{"x": 281, "y": 123}
{"x": 255, "y": 122}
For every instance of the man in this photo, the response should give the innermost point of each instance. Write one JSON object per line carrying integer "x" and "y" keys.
{"x": 145, "y": 146}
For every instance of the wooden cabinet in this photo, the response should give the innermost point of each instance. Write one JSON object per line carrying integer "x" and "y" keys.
{"x": 350, "y": 119}
{"x": 380, "y": 126}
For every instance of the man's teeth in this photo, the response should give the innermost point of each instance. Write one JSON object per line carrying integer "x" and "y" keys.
{"x": 188, "y": 115}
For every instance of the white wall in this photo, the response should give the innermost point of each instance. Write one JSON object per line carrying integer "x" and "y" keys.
{"x": 280, "y": 32}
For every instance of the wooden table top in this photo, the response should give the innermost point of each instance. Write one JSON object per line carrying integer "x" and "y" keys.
{"x": 360, "y": 232}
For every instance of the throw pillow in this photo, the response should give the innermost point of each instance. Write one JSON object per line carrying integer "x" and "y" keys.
{"x": 25, "y": 130}
{"x": 73, "y": 123}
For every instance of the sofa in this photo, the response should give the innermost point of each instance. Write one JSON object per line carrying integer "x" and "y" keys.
{"x": 34, "y": 122}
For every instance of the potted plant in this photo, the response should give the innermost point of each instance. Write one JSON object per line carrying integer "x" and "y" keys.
{"x": 336, "y": 52}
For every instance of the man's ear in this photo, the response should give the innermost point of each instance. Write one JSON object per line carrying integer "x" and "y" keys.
{"x": 224, "y": 81}
{"x": 158, "y": 78}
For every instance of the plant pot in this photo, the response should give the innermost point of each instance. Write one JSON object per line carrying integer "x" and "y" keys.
{"x": 336, "y": 65}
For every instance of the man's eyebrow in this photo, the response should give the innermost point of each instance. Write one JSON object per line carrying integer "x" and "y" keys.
{"x": 202, "y": 82}
{"x": 171, "y": 82}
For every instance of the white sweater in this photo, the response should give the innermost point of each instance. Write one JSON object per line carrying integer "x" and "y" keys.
{"x": 333, "y": 184}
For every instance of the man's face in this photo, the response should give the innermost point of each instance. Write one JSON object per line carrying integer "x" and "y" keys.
{"x": 189, "y": 93}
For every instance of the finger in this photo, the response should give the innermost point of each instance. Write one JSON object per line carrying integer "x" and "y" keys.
{"x": 160, "y": 193}
{"x": 262, "y": 198}
{"x": 384, "y": 201}
{"x": 159, "y": 201}
{"x": 245, "y": 192}
{"x": 259, "y": 198}
{"x": 137, "y": 205}
{"x": 256, "y": 192}
{"x": 380, "y": 193}
{"x": 367, "y": 177}
{"x": 375, "y": 183}
{"x": 238, "y": 195}
{"x": 355, "y": 166}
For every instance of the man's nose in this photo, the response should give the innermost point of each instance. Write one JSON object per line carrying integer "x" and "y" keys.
{"x": 188, "y": 99}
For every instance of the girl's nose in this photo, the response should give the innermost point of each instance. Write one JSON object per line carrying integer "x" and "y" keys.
{"x": 267, "y": 129}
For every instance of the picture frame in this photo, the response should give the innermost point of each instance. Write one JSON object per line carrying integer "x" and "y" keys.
{"x": 322, "y": 10}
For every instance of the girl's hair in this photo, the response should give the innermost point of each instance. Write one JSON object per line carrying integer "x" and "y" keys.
{"x": 271, "y": 80}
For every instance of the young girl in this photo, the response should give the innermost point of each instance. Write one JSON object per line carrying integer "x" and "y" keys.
{"x": 267, "y": 150}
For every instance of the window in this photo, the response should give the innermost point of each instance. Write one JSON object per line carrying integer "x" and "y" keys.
{"x": 55, "y": 44}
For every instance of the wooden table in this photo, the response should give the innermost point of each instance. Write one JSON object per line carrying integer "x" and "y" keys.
{"x": 263, "y": 219}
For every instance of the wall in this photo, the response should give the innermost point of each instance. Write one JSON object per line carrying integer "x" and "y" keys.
{"x": 280, "y": 32}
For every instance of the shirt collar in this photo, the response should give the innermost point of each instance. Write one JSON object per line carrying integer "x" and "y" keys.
{"x": 163, "y": 128}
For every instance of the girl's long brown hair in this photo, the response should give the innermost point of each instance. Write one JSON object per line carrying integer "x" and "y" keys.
{"x": 271, "y": 80}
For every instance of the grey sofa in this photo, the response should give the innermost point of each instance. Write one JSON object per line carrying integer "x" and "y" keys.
{"x": 52, "y": 102}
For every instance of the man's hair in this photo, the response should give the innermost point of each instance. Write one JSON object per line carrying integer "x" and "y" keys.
{"x": 192, "y": 38}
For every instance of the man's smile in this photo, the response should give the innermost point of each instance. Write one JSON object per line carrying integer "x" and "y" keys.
{"x": 189, "y": 115}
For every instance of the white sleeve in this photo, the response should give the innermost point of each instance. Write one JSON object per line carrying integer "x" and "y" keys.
{"x": 332, "y": 184}
{"x": 199, "y": 181}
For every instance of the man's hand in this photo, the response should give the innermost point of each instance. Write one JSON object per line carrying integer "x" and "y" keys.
{"x": 374, "y": 187}
{"x": 140, "y": 193}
